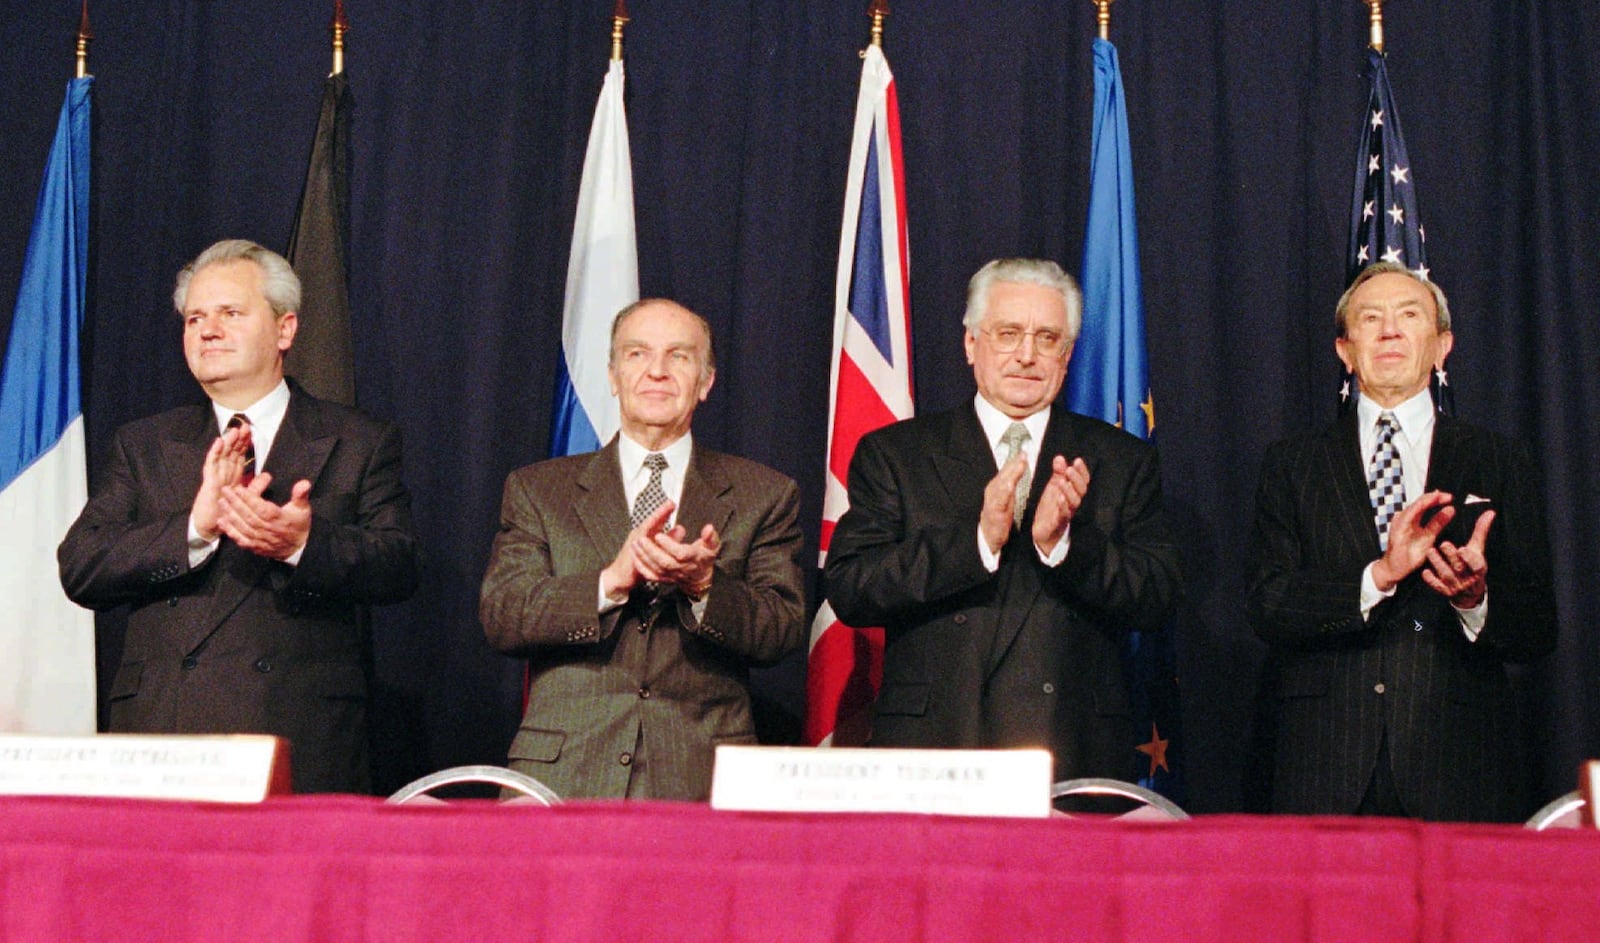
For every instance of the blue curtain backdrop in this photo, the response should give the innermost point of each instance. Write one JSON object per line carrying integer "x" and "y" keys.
{"x": 466, "y": 147}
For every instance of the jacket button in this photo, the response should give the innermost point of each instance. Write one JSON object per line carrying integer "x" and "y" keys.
{"x": 172, "y": 602}
{"x": 644, "y": 693}
{"x": 1378, "y": 687}
{"x": 625, "y": 759}
{"x": 1049, "y": 688}
{"x": 189, "y": 662}
{"x": 961, "y": 618}
{"x": 262, "y": 665}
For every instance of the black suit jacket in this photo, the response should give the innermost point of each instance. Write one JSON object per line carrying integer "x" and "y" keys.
{"x": 243, "y": 644}
{"x": 1026, "y": 656}
{"x": 633, "y": 702}
{"x": 1408, "y": 674}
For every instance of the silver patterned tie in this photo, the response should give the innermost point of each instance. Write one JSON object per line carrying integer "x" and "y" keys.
{"x": 1015, "y": 438}
{"x": 1385, "y": 480}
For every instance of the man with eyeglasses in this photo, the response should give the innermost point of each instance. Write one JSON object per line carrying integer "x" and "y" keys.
{"x": 1007, "y": 546}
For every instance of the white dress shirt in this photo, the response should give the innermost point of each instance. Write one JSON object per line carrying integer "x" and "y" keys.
{"x": 1414, "y": 440}
{"x": 995, "y": 423}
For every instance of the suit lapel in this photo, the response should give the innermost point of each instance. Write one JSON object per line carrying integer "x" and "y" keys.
{"x": 602, "y": 504}
{"x": 705, "y": 483}
{"x": 1452, "y": 452}
{"x": 301, "y": 447}
{"x": 183, "y": 452}
{"x": 1347, "y": 475}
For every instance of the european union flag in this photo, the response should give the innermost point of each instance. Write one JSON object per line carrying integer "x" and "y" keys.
{"x": 1110, "y": 380}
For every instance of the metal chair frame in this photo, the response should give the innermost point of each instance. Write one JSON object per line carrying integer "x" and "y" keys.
{"x": 495, "y": 775}
{"x": 1095, "y": 786}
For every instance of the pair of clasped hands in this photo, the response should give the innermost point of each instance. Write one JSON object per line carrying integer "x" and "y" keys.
{"x": 227, "y": 506}
{"x": 1457, "y": 573}
{"x": 655, "y": 553}
{"x": 1063, "y": 494}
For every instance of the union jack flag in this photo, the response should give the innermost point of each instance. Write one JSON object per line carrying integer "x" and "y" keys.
{"x": 869, "y": 386}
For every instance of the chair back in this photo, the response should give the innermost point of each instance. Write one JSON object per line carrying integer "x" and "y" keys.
{"x": 1148, "y": 804}
{"x": 528, "y": 789}
{"x": 1561, "y": 812}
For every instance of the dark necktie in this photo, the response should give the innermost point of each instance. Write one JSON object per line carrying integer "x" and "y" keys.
{"x": 1385, "y": 480}
{"x": 241, "y": 421}
{"x": 653, "y": 495}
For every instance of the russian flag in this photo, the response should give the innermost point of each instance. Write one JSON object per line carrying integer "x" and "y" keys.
{"x": 46, "y": 642}
{"x": 869, "y": 386}
{"x": 602, "y": 279}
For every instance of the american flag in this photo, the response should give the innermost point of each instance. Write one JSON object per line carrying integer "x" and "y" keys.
{"x": 1385, "y": 225}
{"x": 869, "y": 386}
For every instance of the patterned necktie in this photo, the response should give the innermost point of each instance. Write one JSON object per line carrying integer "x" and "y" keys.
{"x": 653, "y": 495}
{"x": 1015, "y": 438}
{"x": 1385, "y": 483}
{"x": 241, "y": 421}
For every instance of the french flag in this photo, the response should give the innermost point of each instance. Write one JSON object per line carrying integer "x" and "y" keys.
{"x": 47, "y": 642}
{"x": 869, "y": 386}
{"x": 602, "y": 279}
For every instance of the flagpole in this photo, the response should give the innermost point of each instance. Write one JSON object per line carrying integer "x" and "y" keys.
{"x": 619, "y": 19}
{"x": 338, "y": 27}
{"x": 1103, "y": 17}
{"x": 85, "y": 34}
{"x": 1375, "y": 28}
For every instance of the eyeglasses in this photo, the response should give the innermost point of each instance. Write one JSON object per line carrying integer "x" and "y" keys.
{"x": 1045, "y": 343}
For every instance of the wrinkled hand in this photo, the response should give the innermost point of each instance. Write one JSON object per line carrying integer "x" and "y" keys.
{"x": 276, "y": 531}
{"x": 999, "y": 499}
{"x": 1410, "y": 541}
{"x": 1461, "y": 573}
{"x": 622, "y": 574}
{"x": 223, "y": 466}
{"x": 665, "y": 558}
{"x": 1063, "y": 495}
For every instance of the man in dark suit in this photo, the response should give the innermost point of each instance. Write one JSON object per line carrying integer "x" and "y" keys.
{"x": 1401, "y": 563}
{"x": 640, "y": 626}
{"x": 247, "y": 591}
{"x": 1005, "y": 573}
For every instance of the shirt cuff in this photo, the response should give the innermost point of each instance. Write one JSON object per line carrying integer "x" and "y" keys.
{"x": 991, "y": 560}
{"x": 200, "y": 549}
{"x": 607, "y": 602}
{"x": 1473, "y": 620}
{"x": 1054, "y": 557}
{"x": 1371, "y": 595}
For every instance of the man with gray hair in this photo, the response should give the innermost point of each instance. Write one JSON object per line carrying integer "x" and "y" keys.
{"x": 1007, "y": 546}
{"x": 247, "y": 536}
{"x": 1401, "y": 563}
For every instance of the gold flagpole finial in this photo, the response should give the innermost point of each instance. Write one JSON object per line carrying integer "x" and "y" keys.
{"x": 84, "y": 35}
{"x": 619, "y": 19}
{"x": 338, "y": 27}
{"x": 1103, "y": 18}
{"x": 1375, "y": 24}
{"x": 878, "y": 11}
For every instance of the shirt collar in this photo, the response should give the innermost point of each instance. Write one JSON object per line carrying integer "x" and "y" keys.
{"x": 1414, "y": 416}
{"x": 631, "y": 455}
{"x": 268, "y": 411}
{"x": 995, "y": 423}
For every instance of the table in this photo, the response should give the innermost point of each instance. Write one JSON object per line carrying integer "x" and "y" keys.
{"x": 349, "y": 868}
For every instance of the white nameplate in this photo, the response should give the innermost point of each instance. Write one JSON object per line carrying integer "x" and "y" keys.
{"x": 1013, "y": 783}
{"x": 233, "y": 768}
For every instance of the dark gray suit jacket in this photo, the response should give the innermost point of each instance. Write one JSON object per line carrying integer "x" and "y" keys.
{"x": 1409, "y": 674}
{"x": 632, "y": 703}
{"x": 1027, "y": 656}
{"x": 243, "y": 644}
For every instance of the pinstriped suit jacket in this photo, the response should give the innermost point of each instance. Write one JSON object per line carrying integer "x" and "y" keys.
{"x": 632, "y": 703}
{"x": 1409, "y": 673}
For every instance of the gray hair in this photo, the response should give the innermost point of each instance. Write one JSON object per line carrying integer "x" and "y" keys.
{"x": 1023, "y": 272}
{"x": 707, "y": 366}
{"x": 1440, "y": 305}
{"x": 279, "y": 284}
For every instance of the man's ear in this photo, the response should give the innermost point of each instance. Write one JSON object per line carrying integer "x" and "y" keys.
{"x": 288, "y": 324}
